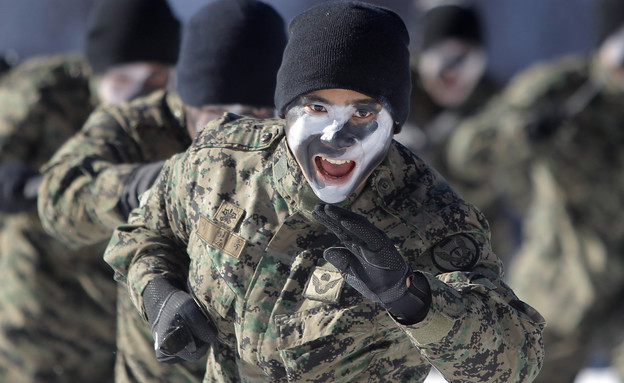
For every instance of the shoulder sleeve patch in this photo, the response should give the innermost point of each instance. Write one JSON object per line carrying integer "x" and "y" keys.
{"x": 457, "y": 253}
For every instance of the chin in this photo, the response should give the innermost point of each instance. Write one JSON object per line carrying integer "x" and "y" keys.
{"x": 330, "y": 197}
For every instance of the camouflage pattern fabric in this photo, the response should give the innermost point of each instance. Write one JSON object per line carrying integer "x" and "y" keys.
{"x": 230, "y": 219}
{"x": 79, "y": 203}
{"x": 570, "y": 265}
{"x": 427, "y": 133}
{"x": 56, "y": 307}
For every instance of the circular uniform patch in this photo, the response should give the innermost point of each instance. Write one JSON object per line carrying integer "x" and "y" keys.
{"x": 457, "y": 253}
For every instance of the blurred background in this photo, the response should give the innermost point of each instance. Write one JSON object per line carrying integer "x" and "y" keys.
{"x": 518, "y": 32}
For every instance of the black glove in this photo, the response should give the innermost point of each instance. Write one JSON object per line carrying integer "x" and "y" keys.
{"x": 13, "y": 177}
{"x": 371, "y": 264}
{"x": 180, "y": 330}
{"x": 136, "y": 184}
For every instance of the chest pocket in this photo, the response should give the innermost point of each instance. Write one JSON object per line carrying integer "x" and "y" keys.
{"x": 318, "y": 341}
{"x": 209, "y": 288}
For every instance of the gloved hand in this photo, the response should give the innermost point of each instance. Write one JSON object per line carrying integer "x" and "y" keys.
{"x": 13, "y": 177}
{"x": 180, "y": 330}
{"x": 136, "y": 184}
{"x": 371, "y": 264}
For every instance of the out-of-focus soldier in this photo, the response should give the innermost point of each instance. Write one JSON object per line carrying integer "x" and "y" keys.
{"x": 230, "y": 53}
{"x": 315, "y": 248}
{"x": 449, "y": 84}
{"x": 448, "y": 77}
{"x": 57, "y": 306}
{"x": 554, "y": 141}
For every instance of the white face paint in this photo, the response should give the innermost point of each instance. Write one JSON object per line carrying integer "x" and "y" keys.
{"x": 124, "y": 82}
{"x": 611, "y": 58}
{"x": 338, "y": 137}
{"x": 450, "y": 70}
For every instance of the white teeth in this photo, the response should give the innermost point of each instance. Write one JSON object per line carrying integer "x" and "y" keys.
{"x": 336, "y": 162}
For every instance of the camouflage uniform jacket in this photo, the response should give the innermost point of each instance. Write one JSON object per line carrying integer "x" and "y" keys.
{"x": 229, "y": 218}
{"x": 82, "y": 185}
{"x": 56, "y": 305}
{"x": 570, "y": 176}
{"x": 84, "y": 179}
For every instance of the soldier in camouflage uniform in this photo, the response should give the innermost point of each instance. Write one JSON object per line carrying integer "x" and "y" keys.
{"x": 556, "y": 136}
{"x": 449, "y": 85}
{"x": 317, "y": 248}
{"x": 57, "y": 305}
{"x": 230, "y": 54}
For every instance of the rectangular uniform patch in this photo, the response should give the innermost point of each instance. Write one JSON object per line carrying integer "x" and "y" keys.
{"x": 229, "y": 215}
{"x": 221, "y": 238}
{"x": 324, "y": 285}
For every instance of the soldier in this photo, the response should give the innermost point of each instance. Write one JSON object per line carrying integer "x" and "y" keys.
{"x": 556, "y": 136}
{"x": 448, "y": 81}
{"x": 229, "y": 57}
{"x": 57, "y": 305}
{"x": 448, "y": 85}
{"x": 242, "y": 247}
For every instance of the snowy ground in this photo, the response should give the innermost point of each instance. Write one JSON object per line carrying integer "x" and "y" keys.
{"x": 588, "y": 375}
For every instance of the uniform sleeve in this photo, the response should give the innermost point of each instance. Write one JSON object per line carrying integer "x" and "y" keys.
{"x": 152, "y": 243}
{"x": 43, "y": 102}
{"x": 82, "y": 183}
{"x": 477, "y": 330}
{"x": 17, "y": 136}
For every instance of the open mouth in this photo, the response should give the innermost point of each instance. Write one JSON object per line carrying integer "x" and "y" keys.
{"x": 334, "y": 169}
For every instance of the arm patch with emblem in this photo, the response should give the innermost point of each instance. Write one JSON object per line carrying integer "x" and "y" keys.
{"x": 459, "y": 252}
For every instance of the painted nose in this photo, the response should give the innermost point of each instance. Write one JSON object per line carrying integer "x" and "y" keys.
{"x": 337, "y": 136}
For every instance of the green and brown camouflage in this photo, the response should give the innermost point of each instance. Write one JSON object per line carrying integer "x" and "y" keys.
{"x": 56, "y": 308}
{"x": 231, "y": 219}
{"x": 427, "y": 133}
{"x": 79, "y": 203}
{"x": 570, "y": 264}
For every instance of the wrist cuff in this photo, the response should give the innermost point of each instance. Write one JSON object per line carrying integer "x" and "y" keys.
{"x": 413, "y": 306}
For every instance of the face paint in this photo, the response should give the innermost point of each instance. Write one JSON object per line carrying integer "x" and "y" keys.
{"x": 611, "y": 58}
{"x": 450, "y": 71}
{"x": 337, "y": 145}
{"x": 125, "y": 82}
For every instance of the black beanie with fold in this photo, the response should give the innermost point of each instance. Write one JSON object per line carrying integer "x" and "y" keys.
{"x": 451, "y": 20}
{"x": 126, "y": 31}
{"x": 347, "y": 45}
{"x": 231, "y": 51}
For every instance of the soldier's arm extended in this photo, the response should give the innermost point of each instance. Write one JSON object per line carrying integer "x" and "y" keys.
{"x": 149, "y": 245}
{"x": 148, "y": 255}
{"x": 83, "y": 183}
{"x": 467, "y": 323}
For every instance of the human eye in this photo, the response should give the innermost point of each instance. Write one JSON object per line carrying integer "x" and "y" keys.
{"x": 315, "y": 108}
{"x": 362, "y": 114}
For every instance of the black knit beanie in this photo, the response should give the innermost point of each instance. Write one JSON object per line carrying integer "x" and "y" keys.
{"x": 450, "y": 20}
{"x": 125, "y": 31}
{"x": 231, "y": 50}
{"x": 347, "y": 45}
{"x": 609, "y": 18}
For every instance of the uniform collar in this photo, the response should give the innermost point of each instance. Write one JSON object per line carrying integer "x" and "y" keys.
{"x": 382, "y": 186}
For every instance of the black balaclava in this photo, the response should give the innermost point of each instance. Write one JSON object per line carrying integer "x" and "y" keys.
{"x": 609, "y": 18}
{"x": 450, "y": 20}
{"x": 126, "y": 31}
{"x": 231, "y": 51}
{"x": 347, "y": 45}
